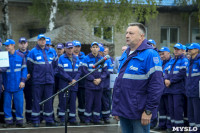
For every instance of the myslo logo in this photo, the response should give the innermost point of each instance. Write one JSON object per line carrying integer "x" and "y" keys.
{"x": 180, "y": 129}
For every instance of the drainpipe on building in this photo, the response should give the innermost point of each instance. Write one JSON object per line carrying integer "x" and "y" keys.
{"x": 189, "y": 28}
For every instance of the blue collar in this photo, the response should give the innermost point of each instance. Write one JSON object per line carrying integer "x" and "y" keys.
{"x": 38, "y": 47}
{"x": 144, "y": 45}
{"x": 197, "y": 57}
{"x": 66, "y": 56}
{"x": 12, "y": 54}
{"x": 92, "y": 56}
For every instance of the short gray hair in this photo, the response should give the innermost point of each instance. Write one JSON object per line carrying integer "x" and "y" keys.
{"x": 140, "y": 26}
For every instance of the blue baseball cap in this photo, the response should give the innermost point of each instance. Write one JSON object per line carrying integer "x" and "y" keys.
{"x": 41, "y": 36}
{"x": 22, "y": 39}
{"x": 101, "y": 48}
{"x": 76, "y": 43}
{"x": 69, "y": 45}
{"x": 152, "y": 41}
{"x": 194, "y": 46}
{"x": 8, "y": 42}
{"x": 95, "y": 43}
{"x": 178, "y": 46}
{"x": 163, "y": 49}
{"x": 48, "y": 40}
{"x": 60, "y": 46}
{"x": 100, "y": 44}
{"x": 184, "y": 47}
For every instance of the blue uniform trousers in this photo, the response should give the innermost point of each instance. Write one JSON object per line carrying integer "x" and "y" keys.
{"x": 106, "y": 100}
{"x": 18, "y": 100}
{"x": 164, "y": 113}
{"x": 1, "y": 108}
{"x": 28, "y": 99}
{"x": 81, "y": 103}
{"x": 0, "y": 89}
{"x": 40, "y": 92}
{"x": 71, "y": 106}
{"x": 92, "y": 105}
{"x": 176, "y": 109}
{"x": 193, "y": 112}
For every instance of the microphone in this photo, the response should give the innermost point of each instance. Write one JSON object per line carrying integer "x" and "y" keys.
{"x": 101, "y": 61}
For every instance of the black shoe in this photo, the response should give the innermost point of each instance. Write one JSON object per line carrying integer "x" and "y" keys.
{"x": 169, "y": 130}
{"x": 20, "y": 125}
{"x": 36, "y": 125}
{"x": 152, "y": 127}
{"x": 87, "y": 123}
{"x": 97, "y": 123}
{"x": 106, "y": 121}
{"x": 62, "y": 124}
{"x": 159, "y": 129}
{"x": 7, "y": 125}
{"x": 74, "y": 123}
{"x": 81, "y": 121}
{"x": 28, "y": 122}
{"x": 51, "y": 124}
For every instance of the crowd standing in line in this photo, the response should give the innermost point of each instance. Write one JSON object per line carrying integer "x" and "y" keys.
{"x": 154, "y": 89}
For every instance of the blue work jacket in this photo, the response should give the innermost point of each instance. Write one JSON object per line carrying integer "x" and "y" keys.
{"x": 193, "y": 77}
{"x": 81, "y": 57}
{"x": 176, "y": 72}
{"x": 86, "y": 67}
{"x": 16, "y": 72}
{"x": 165, "y": 64}
{"x": 139, "y": 84}
{"x": 106, "y": 81}
{"x": 68, "y": 70}
{"x": 42, "y": 64}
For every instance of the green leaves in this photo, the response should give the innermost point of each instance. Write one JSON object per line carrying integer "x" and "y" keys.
{"x": 104, "y": 13}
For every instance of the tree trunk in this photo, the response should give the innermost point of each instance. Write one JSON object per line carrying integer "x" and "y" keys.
{"x": 6, "y": 24}
{"x": 52, "y": 15}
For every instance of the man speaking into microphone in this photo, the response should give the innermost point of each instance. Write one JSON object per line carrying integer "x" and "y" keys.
{"x": 93, "y": 84}
{"x": 139, "y": 85}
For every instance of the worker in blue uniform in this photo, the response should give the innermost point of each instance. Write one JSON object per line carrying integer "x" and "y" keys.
{"x": 2, "y": 69}
{"x": 14, "y": 83}
{"x": 192, "y": 86}
{"x": 42, "y": 63}
{"x": 175, "y": 83}
{"x": 164, "y": 121}
{"x": 106, "y": 96}
{"x": 93, "y": 85}
{"x": 139, "y": 85}
{"x": 23, "y": 44}
{"x": 69, "y": 72}
{"x": 81, "y": 89}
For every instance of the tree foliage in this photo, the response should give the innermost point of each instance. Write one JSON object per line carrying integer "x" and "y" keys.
{"x": 117, "y": 13}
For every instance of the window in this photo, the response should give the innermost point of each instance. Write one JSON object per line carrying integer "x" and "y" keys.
{"x": 105, "y": 33}
{"x": 196, "y": 35}
{"x": 169, "y": 36}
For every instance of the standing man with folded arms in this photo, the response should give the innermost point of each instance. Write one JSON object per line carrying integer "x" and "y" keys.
{"x": 139, "y": 85}
{"x": 42, "y": 62}
{"x": 192, "y": 86}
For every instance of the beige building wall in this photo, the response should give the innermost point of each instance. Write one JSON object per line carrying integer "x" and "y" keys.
{"x": 168, "y": 20}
